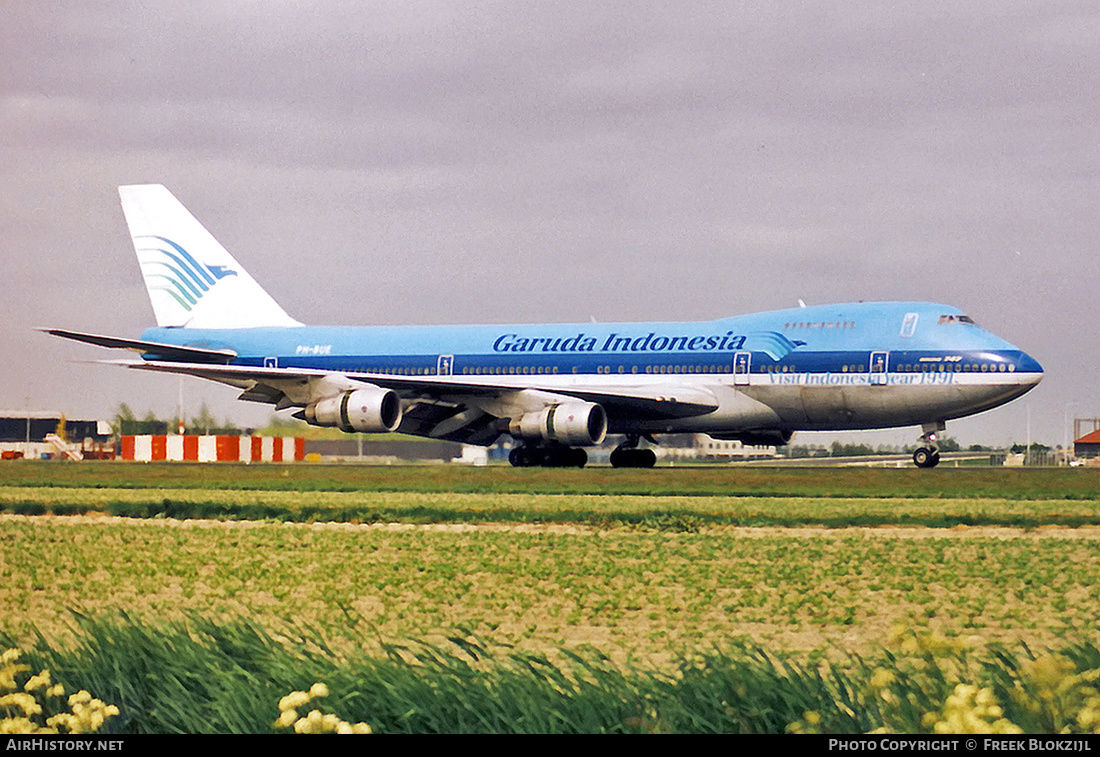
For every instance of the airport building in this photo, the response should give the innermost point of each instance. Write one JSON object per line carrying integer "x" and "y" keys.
{"x": 1088, "y": 446}
{"x": 388, "y": 450}
{"x": 39, "y": 435}
{"x": 688, "y": 447}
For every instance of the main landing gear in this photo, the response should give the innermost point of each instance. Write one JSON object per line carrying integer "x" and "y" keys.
{"x": 627, "y": 455}
{"x": 928, "y": 454}
{"x": 547, "y": 456}
{"x": 554, "y": 455}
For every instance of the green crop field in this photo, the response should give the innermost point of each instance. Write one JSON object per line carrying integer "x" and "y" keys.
{"x": 640, "y": 592}
{"x": 979, "y": 482}
{"x": 647, "y": 567}
{"x": 640, "y": 562}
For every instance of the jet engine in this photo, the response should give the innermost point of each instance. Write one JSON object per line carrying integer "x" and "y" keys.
{"x": 581, "y": 423}
{"x": 371, "y": 409}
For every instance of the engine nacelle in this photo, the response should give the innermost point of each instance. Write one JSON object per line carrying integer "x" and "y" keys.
{"x": 581, "y": 423}
{"x": 371, "y": 409}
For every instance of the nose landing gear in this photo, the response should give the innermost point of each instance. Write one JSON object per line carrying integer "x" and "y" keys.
{"x": 926, "y": 457}
{"x": 928, "y": 454}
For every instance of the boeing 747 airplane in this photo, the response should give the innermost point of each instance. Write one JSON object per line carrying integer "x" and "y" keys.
{"x": 557, "y": 388}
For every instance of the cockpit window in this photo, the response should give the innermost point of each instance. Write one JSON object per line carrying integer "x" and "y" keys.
{"x": 956, "y": 319}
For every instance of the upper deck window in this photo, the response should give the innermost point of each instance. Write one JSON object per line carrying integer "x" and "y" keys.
{"x": 956, "y": 319}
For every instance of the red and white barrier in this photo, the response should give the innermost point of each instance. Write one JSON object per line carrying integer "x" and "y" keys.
{"x": 208, "y": 449}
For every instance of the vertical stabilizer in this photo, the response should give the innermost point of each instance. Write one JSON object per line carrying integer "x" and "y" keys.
{"x": 192, "y": 280}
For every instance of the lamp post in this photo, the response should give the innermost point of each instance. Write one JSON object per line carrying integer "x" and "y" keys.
{"x": 1065, "y": 418}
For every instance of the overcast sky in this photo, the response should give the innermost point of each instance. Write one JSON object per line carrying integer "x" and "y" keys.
{"x": 463, "y": 162}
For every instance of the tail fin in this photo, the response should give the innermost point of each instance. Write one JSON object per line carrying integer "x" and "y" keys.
{"x": 192, "y": 280}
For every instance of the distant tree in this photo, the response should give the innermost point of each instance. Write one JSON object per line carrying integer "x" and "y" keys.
{"x": 1035, "y": 447}
{"x": 125, "y": 424}
{"x": 948, "y": 444}
{"x": 279, "y": 425}
{"x": 204, "y": 422}
{"x": 124, "y": 419}
{"x": 800, "y": 451}
{"x": 151, "y": 424}
{"x": 850, "y": 450}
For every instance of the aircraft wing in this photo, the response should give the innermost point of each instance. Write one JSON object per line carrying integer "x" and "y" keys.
{"x": 447, "y": 407}
{"x": 653, "y": 402}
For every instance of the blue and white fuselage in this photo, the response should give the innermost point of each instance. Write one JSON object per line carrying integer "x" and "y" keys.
{"x": 856, "y": 366}
{"x": 558, "y": 387}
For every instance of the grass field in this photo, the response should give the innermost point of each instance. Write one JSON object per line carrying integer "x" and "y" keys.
{"x": 980, "y": 482}
{"x": 642, "y": 562}
{"x": 642, "y": 566}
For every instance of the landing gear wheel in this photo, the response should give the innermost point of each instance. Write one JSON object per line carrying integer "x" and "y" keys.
{"x": 926, "y": 457}
{"x": 560, "y": 456}
{"x": 557, "y": 456}
{"x": 633, "y": 458}
{"x": 522, "y": 457}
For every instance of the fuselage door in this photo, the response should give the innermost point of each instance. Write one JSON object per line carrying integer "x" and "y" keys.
{"x": 879, "y": 362}
{"x": 742, "y": 361}
{"x": 444, "y": 365}
{"x": 271, "y": 362}
{"x": 909, "y": 325}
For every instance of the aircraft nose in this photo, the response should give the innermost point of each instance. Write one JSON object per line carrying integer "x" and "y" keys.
{"x": 1028, "y": 364}
{"x": 1029, "y": 367}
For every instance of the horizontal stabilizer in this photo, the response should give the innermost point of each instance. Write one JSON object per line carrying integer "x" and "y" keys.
{"x": 153, "y": 349}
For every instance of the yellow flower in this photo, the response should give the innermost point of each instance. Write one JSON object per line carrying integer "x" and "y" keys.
{"x": 14, "y": 726}
{"x": 970, "y": 709}
{"x": 39, "y": 681}
{"x": 27, "y": 703}
{"x": 1089, "y": 716}
{"x": 315, "y": 721}
{"x": 882, "y": 678}
{"x": 810, "y": 723}
{"x": 294, "y": 700}
{"x": 286, "y": 718}
{"x": 311, "y": 723}
{"x": 8, "y": 674}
